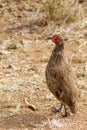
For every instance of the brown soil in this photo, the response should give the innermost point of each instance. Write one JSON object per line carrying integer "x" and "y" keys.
{"x": 24, "y": 52}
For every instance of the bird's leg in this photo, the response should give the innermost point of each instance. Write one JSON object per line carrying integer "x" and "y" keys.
{"x": 55, "y": 110}
{"x": 59, "y": 109}
{"x": 66, "y": 112}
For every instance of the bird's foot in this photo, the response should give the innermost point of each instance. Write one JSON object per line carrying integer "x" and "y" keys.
{"x": 66, "y": 114}
{"x": 55, "y": 110}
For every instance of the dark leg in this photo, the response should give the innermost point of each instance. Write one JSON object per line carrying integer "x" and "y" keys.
{"x": 55, "y": 110}
{"x": 66, "y": 112}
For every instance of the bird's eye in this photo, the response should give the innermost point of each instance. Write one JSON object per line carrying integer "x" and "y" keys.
{"x": 55, "y": 39}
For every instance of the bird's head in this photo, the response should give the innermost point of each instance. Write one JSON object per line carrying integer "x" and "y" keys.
{"x": 56, "y": 39}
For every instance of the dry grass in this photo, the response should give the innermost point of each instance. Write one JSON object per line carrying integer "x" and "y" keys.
{"x": 63, "y": 11}
{"x": 24, "y": 53}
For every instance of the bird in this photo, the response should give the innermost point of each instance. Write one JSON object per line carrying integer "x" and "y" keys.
{"x": 61, "y": 79}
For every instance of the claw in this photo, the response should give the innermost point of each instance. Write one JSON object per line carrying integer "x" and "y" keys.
{"x": 66, "y": 112}
{"x": 55, "y": 110}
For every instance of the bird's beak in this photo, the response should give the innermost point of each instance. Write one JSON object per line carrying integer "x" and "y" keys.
{"x": 49, "y": 37}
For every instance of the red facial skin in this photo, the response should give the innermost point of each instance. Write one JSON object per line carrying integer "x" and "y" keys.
{"x": 55, "y": 40}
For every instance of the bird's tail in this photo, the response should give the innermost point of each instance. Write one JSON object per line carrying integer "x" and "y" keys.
{"x": 73, "y": 109}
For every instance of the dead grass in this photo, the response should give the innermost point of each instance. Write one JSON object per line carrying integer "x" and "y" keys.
{"x": 64, "y": 11}
{"x": 22, "y": 71}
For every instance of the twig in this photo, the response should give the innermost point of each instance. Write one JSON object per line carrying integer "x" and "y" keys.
{"x": 31, "y": 106}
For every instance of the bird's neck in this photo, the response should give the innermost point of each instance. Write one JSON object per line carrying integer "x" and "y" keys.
{"x": 58, "y": 53}
{"x": 59, "y": 48}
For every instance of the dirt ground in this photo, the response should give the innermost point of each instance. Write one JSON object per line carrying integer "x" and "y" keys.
{"x": 25, "y": 101}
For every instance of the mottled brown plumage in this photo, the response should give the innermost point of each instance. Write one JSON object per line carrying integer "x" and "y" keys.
{"x": 60, "y": 77}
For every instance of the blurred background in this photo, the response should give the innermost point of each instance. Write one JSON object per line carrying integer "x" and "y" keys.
{"x": 25, "y": 101}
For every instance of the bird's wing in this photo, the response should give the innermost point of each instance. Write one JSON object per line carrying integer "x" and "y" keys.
{"x": 66, "y": 83}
